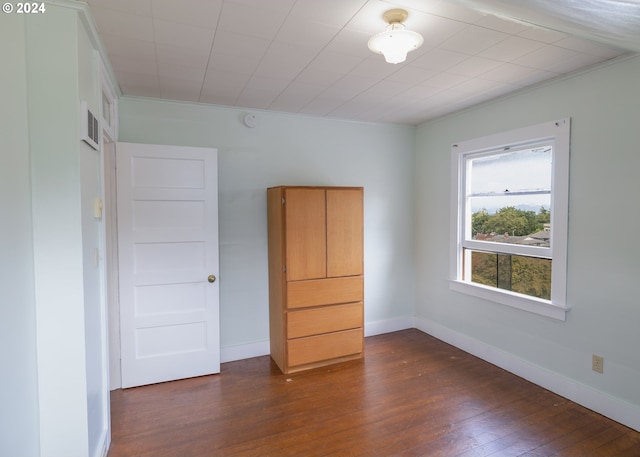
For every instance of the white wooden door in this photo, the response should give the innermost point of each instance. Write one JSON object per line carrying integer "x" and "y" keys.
{"x": 167, "y": 209}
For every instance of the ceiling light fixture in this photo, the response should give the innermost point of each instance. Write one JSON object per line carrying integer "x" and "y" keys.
{"x": 395, "y": 42}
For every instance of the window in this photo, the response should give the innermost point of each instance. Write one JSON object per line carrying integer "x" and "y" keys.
{"x": 509, "y": 217}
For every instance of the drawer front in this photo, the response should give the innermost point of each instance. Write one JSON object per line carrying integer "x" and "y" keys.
{"x": 306, "y": 322}
{"x": 323, "y": 347}
{"x": 328, "y": 291}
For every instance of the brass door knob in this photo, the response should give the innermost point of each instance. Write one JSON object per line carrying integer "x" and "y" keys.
{"x": 211, "y": 278}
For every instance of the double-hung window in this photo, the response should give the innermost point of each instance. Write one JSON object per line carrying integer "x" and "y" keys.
{"x": 509, "y": 217}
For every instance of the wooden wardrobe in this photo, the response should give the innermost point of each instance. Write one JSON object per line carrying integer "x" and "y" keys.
{"x": 316, "y": 281}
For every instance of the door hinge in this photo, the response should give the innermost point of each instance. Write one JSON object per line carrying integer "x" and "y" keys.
{"x": 283, "y": 200}
{"x": 284, "y": 268}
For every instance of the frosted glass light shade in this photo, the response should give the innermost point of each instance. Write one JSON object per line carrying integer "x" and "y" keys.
{"x": 395, "y": 42}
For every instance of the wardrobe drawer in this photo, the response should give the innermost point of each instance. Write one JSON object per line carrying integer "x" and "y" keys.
{"x": 328, "y": 291}
{"x": 306, "y": 322}
{"x": 322, "y": 347}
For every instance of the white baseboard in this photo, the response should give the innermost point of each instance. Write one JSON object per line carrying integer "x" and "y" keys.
{"x": 598, "y": 401}
{"x": 244, "y": 351}
{"x": 387, "y": 326}
{"x": 105, "y": 442}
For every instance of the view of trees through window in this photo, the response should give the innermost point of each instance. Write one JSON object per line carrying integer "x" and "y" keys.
{"x": 510, "y": 221}
{"x": 517, "y": 273}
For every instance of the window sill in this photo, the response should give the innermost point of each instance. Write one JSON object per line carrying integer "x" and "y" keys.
{"x": 514, "y": 300}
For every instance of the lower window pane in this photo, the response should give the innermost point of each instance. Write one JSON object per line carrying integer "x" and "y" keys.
{"x": 525, "y": 275}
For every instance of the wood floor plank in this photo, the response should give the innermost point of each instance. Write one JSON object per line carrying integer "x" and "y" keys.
{"x": 412, "y": 395}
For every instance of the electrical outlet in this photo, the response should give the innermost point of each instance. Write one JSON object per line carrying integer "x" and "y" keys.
{"x": 597, "y": 363}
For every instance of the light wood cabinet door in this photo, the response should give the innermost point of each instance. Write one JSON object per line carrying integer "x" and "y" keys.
{"x": 345, "y": 228}
{"x": 305, "y": 220}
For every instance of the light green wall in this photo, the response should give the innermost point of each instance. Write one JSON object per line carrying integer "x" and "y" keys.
{"x": 291, "y": 149}
{"x": 89, "y": 90}
{"x": 52, "y": 79}
{"x": 19, "y": 432}
{"x": 53, "y": 392}
{"x": 604, "y": 223}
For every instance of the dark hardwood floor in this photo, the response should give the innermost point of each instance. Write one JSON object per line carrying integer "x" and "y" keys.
{"x": 412, "y": 395}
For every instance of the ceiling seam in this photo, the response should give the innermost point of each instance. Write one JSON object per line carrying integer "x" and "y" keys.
{"x": 215, "y": 33}
{"x": 316, "y": 56}
{"x": 235, "y": 103}
{"x": 155, "y": 48}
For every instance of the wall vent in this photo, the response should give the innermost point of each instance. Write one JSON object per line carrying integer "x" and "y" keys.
{"x": 90, "y": 128}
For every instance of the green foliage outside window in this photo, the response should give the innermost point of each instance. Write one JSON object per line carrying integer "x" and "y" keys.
{"x": 515, "y": 222}
{"x": 526, "y": 275}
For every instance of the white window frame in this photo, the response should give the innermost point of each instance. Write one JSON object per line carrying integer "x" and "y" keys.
{"x": 556, "y": 133}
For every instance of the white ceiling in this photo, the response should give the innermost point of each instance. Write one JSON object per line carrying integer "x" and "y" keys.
{"x": 311, "y": 56}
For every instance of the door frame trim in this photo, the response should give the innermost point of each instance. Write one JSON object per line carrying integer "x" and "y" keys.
{"x": 111, "y": 258}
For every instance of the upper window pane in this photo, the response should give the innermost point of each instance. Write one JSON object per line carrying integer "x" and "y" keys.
{"x": 510, "y": 196}
{"x": 526, "y": 170}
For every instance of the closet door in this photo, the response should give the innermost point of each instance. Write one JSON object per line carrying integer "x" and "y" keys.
{"x": 345, "y": 227}
{"x": 305, "y": 222}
